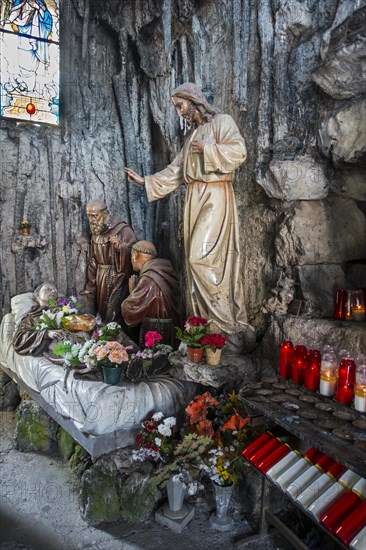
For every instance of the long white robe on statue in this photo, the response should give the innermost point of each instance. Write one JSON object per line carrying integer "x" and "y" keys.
{"x": 211, "y": 231}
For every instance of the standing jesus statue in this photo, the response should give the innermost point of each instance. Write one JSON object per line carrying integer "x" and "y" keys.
{"x": 207, "y": 164}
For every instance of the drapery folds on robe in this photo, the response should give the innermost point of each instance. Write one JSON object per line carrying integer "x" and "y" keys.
{"x": 27, "y": 340}
{"x": 156, "y": 294}
{"x": 109, "y": 269}
{"x": 211, "y": 231}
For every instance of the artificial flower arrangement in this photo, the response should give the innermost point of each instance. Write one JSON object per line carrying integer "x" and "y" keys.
{"x": 153, "y": 348}
{"x": 176, "y": 460}
{"x": 62, "y": 306}
{"x": 225, "y": 421}
{"x": 194, "y": 329}
{"x": 214, "y": 341}
{"x": 156, "y": 439}
{"x": 98, "y": 351}
{"x": 152, "y": 360}
{"x": 218, "y": 430}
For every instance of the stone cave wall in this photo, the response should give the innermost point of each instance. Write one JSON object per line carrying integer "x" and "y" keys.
{"x": 291, "y": 74}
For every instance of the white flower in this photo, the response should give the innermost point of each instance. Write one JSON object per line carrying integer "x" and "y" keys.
{"x": 59, "y": 316}
{"x": 157, "y": 441}
{"x": 157, "y": 416}
{"x": 164, "y": 430}
{"x": 170, "y": 421}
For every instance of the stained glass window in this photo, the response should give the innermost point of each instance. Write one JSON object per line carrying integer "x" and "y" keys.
{"x": 29, "y": 60}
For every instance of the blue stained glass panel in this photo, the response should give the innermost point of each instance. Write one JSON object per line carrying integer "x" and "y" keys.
{"x": 29, "y": 60}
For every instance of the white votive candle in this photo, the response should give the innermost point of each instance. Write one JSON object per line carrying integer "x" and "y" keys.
{"x": 358, "y": 314}
{"x": 360, "y": 403}
{"x": 327, "y": 386}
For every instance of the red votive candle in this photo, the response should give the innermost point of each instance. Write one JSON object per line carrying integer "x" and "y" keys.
{"x": 257, "y": 444}
{"x": 349, "y": 527}
{"x": 336, "y": 470}
{"x": 340, "y": 302}
{"x": 339, "y": 511}
{"x": 286, "y": 353}
{"x": 298, "y": 370}
{"x": 346, "y": 380}
{"x": 312, "y": 372}
{"x": 313, "y": 455}
{"x": 266, "y": 463}
{"x": 265, "y": 451}
{"x": 325, "y": 462}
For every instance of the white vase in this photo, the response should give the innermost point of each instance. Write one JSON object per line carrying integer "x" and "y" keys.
{"x": 175, "y": 508}
{"x": 221, "y": 520}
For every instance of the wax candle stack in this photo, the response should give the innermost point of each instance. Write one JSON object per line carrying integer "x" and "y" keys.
{"x": 343, "y": 378}
{"x": 332, "y": 494}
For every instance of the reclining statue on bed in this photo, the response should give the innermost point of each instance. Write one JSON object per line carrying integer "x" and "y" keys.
{"x": 27, "y": 339}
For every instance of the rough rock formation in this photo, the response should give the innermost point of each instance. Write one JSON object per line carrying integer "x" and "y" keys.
{"x": 292, "y": 74}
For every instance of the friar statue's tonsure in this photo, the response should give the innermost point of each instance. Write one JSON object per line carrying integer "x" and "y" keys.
{"x": 207, "y": 164}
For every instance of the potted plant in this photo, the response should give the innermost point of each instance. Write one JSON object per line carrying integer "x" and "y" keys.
{"x": 194, "y": 328}
{"x": 213, "y": 345}
{"x": 111, "y": 357}
{"x": 153, "y": 359}
{"x": 25, "y": 226}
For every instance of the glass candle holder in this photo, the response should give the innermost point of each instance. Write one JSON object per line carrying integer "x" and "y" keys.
{"x": 292, "y": 473}
{"x": 283, "y": 465}
{"x": 314, "y": 490}
{"x": 257, "y": 444}
{"x": 359, "y": 541}
{"x": 347, "y": 307}
{"x": 352, "y": 525}
{"x": 340, "y": 510}
{"x": 328, "y": 372}
{"x": 312, "y": 372}
{"x": 360, "y": 385}
{"x": 360, "y": 488}
{"x": 325, "y": 499}
{"x": 267, "y": 462}
{"x": 286, "y": 353}
{"x": 349, "y": 478}
{"x": 299, "y": 362}
{"x": 358, "y": 305}
{"x": 257, "y": 457}
{"x": 340, "y": 301}
{"x": 346, "y": 380}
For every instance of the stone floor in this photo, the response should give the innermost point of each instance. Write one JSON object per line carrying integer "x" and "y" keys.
{"x": 39, "y": 511}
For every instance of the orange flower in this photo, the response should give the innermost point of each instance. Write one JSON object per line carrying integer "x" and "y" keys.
{"x": 236, "y": 422}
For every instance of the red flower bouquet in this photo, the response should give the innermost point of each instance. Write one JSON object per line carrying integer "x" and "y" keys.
{"x": 213, "y": 341}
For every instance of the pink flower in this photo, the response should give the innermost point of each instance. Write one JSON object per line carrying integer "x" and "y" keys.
{"x": 151, "y": 337}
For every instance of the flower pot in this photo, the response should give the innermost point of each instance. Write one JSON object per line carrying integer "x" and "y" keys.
{"x": 112, "y": 375}
{"x": 195, "y": 354}
{"x": 213, "y": 357}
{"x": 25, "y": 231}
{"x": 221, "y": 521}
